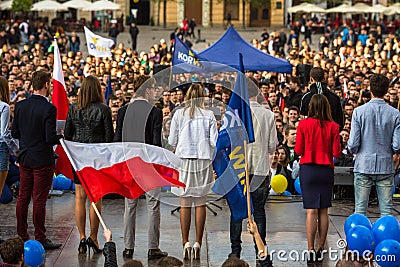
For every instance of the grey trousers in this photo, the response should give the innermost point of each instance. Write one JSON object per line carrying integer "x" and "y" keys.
{"x": 153, "y": 209}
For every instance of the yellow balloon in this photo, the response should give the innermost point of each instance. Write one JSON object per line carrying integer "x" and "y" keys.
{"x": 279, "y": 183}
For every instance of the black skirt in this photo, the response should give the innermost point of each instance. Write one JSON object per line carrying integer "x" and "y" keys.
{"x": 316, "y": 182}
{"x": 75, "y": 176}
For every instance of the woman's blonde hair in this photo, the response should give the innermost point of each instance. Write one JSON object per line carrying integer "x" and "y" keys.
{"x": 194, "y": 99}
{"x": 4, "y": 90}
{"x": 90, "y": 92}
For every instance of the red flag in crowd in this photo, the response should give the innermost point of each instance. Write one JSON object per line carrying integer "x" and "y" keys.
{"x": 60, "y": 99}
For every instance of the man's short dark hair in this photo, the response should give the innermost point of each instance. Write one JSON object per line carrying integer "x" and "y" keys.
{"x": 288, "y": 128}
{"x": 379, "y": 85}
{"x": 11, "y": 250}
{"x": 295, "y": 80}
{"x": 133, "y": 263}
{"x": 169, "y": 262}
{"x": 318, "y": 74}
{"x": 234, "y": 262}
{"x": 39, "y": 79}
{"x": 138, "y": 82}
{"x": 294, "y": 108}
{"x": 226, "y": 91}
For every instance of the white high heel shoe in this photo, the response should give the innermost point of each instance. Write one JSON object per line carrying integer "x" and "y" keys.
{"x": 196, "y": 251}
{"x": 187, "y": 251}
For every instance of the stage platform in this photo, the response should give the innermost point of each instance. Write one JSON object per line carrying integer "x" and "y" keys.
{"x": 285, "y": 227}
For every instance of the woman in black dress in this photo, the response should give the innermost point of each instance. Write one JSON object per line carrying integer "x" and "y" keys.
{"x": 88, "y": 121}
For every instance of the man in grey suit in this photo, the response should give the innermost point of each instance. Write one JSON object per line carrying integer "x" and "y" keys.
{"x": 141, "y": 122}
{"x": 375, "y": 137}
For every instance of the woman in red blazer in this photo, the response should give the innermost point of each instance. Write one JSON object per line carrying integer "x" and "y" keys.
{"x": 317, "y": 142}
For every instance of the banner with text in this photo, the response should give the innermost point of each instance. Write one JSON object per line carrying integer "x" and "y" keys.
{"x": 98, "y": 46}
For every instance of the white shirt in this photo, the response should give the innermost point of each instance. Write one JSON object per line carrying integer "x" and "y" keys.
{"x": 265, "y": 142}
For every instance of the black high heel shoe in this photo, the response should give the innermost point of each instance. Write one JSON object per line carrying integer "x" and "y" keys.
{"x": 82, "y": 246}
{"x": 90, "y": 243}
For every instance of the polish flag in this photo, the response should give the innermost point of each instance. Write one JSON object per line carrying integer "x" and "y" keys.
{"x": 60, "y": 99}
{"x": 127, "y": 168}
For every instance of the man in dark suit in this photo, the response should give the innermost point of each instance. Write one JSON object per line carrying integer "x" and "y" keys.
{"x": 141, "y": 122}
{"x": 35, "y": 127}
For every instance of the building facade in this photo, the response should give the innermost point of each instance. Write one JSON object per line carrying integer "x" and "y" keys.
{"x": 205, "y": 12}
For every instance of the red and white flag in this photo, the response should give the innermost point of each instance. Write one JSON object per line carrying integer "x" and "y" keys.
{"x": 128, "y": 168}
{"x": 60, "y": 99}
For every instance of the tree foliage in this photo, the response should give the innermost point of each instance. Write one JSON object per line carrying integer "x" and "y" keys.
{"x": 21, "y": 5}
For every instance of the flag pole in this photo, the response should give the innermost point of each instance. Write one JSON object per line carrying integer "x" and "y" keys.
{"x": 170, "y": 70}
{"x": 99, "y": 215}
{"x": 79, "y": 176}
{"x": 246, "y": 167}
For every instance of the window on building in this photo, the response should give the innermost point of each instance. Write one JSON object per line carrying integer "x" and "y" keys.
{"x": 278, "y": 5}
{"x": 265, "y": 13}
{"x": 232, "y": 8}
{"x": 254, "y": 14}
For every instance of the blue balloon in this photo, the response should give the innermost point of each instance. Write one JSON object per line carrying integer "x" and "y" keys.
{"x": 34, "y": 253}
{"x": 360, "y": 239}
{"x": 61, "y": 182}
{"x": 356, "y": 219}
{"x": 73, "y": 186}
{"x": 297, "y": 185}
{"x": 286, "y": 193}
{"x": 387, "y": 253}
{"x": 386, "y": 227}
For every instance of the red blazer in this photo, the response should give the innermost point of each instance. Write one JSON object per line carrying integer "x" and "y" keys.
{"x": 316, "y": 144}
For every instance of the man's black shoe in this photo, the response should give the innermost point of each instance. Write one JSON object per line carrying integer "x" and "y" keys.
{"x": 155, "y": 254}
{"x": 320, "y": 255}
{"x": 311, "y": 257}
{"x": 267, "y": 262}
{"x": 128, "y": 253}
{"x": 48, "y": 244}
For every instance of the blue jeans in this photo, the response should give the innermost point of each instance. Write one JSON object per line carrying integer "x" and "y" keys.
{"x": 362, "y": 188}
{"x": 259, "y": 197}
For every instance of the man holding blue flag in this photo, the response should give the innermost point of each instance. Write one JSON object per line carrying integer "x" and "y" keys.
{"x": 265, "y": 144}
{"x": 236, "y": 131}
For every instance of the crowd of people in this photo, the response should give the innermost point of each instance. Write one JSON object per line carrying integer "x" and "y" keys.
{"x": 353, "y": 64}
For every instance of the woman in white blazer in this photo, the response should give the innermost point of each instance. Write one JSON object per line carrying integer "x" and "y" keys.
{"x": 194, "y": 135}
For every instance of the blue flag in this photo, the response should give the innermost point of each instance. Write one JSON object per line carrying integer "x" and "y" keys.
{"x": 109, "y": 91}
{"x": 229, "y": 162}
{"x": 183, "y": 54}
{"x": 185, "y": 59}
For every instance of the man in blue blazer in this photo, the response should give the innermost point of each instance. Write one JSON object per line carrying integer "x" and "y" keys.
{"x": 35, "y": 127}
{"x": 375, "y": 138}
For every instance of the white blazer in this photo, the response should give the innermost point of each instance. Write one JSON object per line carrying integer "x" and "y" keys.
{"x": 194, "y": 138}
